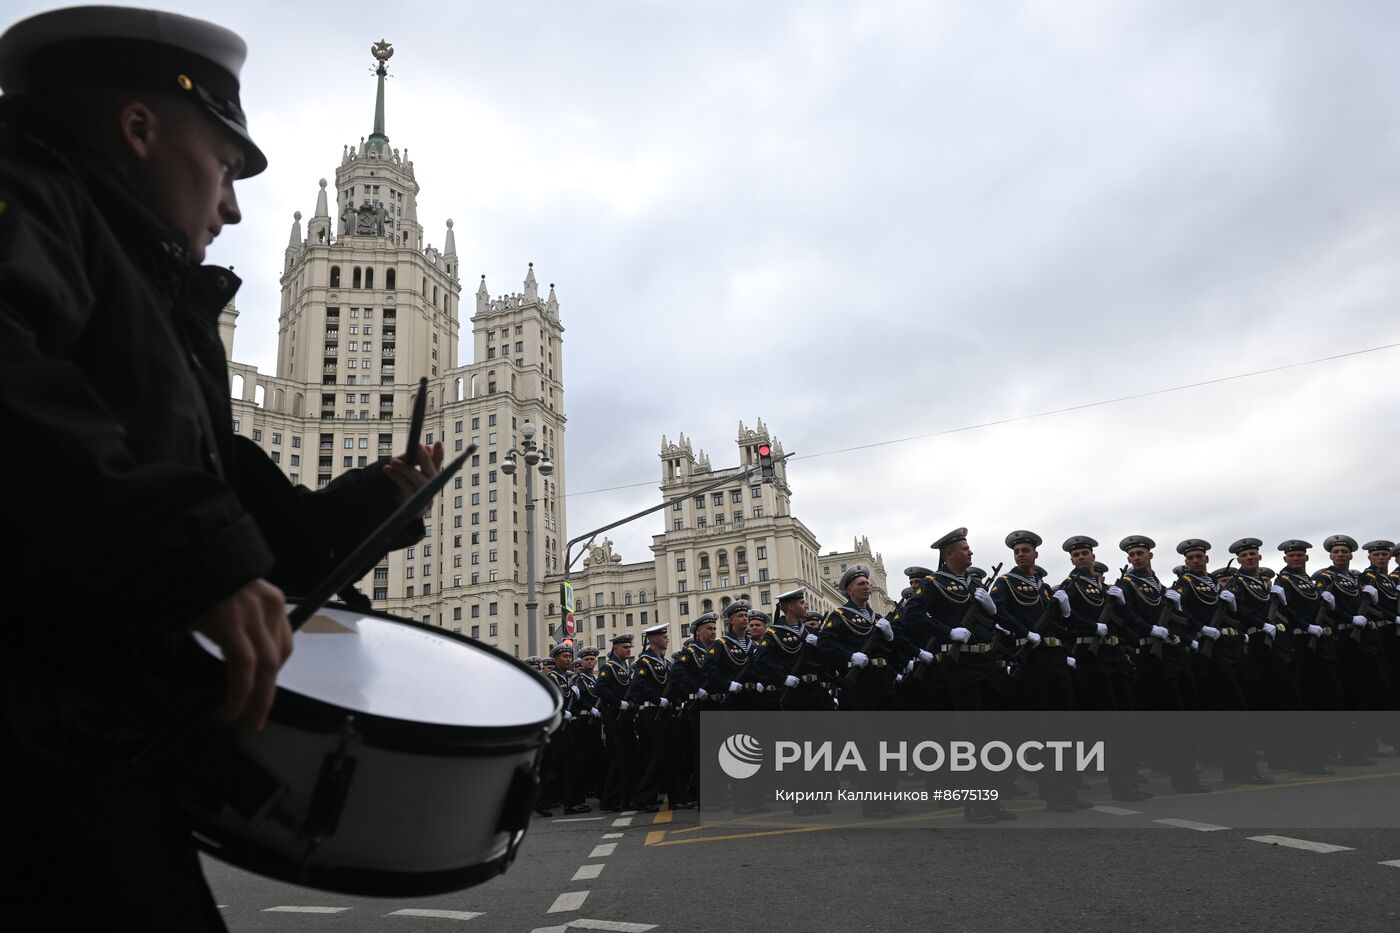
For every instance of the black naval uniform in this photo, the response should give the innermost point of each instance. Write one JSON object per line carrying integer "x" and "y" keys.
{"x": 587, "y": 727}
{"x": 1316, "y": 655}
{"x": 783, "y": 652}
{"x": 556, "y": 766}
{"x": 1387, "y": 607}
{"x": 619, "y": 732}
{"x": 1365, "y": 685}
{"x": 656, "y": 755}
{"x": 688, "y": 679}
{"x": 1274, "y": 681}
{"x": 729, "y": 662}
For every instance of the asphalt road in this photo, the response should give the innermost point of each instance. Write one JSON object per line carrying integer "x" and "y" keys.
{"x": 1105, "y": 869}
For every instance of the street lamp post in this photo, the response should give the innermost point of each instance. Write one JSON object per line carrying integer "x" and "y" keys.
{"x": 535, "y": 461}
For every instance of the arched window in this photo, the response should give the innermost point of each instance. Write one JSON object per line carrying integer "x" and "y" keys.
{"x": 473, "y": 386}
{"x": 298, "y": 402}
{"x": 435, "y": 296}
{"x": 355, "y": 278}
{"x": 626, "y": 599}
{"x": 389, "y": 280}
{"x": 259, "y": 394}
{"x": 723, "y": 603}
{"x": 237, "y": 386}
{"x": 707, "y": 606}
{"x": 642, "y": 596}
{"x": 723, "y": 559}
{"x": 459, "y": 388}
{"x": 279, "y": 400}
{"x": 369, "y": 278}
{"x": 335, "y": 276}
{"x": 425, "y": 286}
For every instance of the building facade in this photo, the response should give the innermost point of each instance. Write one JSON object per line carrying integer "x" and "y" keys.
{"x": 368, "y": 307}
{"x": 738, "y": 540}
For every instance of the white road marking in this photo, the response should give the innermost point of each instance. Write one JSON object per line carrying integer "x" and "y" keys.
{"x": 1393, "y": 863}
{"x": 616, "y": 926}
{"x": 587, "y": 873}
{"x": 1192, "y": 824}
{"x": 304, "y": 910}
{"x": 578, "y": 819}
{"x": 603, "y": 851}
{"x": 438, "y": 914}
{"x": 623, "y": 821}
{"x": 624, "y": 813}
{"x": 1303, "y": 844}
{"x": 1118, "y": 811}
{"x": 569, "y": 900}
{"x": 613, "y": 835}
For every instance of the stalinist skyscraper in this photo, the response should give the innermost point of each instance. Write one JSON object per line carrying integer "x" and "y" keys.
{"x": 367, "y": 308}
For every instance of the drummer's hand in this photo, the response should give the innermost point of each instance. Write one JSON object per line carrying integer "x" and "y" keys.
{"x": 252, "y": 630}
{"x": 409, "y": 478}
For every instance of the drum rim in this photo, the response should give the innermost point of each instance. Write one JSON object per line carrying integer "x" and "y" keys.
{"x": 299, "y": 711}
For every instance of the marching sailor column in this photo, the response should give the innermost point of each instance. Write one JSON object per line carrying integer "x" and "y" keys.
{"x": 1365, "y": 685}
{"x": 924, "y": 686}
{"x": 730, "y": 679}
{"x": 1305, "y": 608}
{"x": 1219, "y": 648}
{"x": 658, "y": 757}
{"x": 1104, "y": 644}
{"x": 872, "y": 653}
{"x": 965, "y": 616}
{"x": 1387, "y": 586}
{"x": 619, "y": 733}
{"x": 1032, "y": 612}
{"x": 591, "y": 770}
{"x": 1164, "y": 659}
{"x": 688, "y": 678}
{"x": 1259, "y": 609}
{"x": 556, "y": 768}
{"x": 793, "y": 670}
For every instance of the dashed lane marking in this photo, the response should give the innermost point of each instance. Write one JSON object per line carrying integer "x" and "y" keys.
{"x": 587, "y": 873}
{"x": 622, "y": 821}
{"x": 1192, "y": 824}
{"x": 613, "y": 835}
{"x": 579, "y": 819}
{"x": 658, "y": 838}
{"x": 1393, "y": 863}
{"x": 435, "y": 914}
{"x": 616, "y": 926}
{"x": 569, "y": 900}
{"x": 1304, "y": 844}
{"x": 1118, "y": 811}
{"x": 304, "y": 910}
{"x": 603, "y": 850}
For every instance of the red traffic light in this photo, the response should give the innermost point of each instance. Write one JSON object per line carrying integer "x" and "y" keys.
{"x": 764, "y": 450}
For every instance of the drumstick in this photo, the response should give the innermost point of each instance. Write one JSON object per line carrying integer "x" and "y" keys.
{"x": 348, "y": 570}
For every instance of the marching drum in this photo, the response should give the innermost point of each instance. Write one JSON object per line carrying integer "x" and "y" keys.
{"x": 399, "y": 760}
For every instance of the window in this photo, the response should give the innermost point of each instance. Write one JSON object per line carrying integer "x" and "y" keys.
{"x": 736, "y": 495}
{"x": 680, "y": 586}
{"x": 758, "y": 511}
{"x": 494, "y": 626}
{"x": 296, "y": 459}
{"x": 476, "y": 629}
{"x": 678, "y": 524}
{"x": 276, "y": 437}
{"x": 684, "y": 608}
{"x": 699, "y": 502}
{"x": 677, "y": 507}
{"x": 762, "y": 574}
{"x": 348, "y": 462}
{"x": 763, "y": 552}
{"x": 756, "y": 492}
{"x": 257, "y": 434}
{"x": 408, "y": 592}
{"x": 492, "y": 609}
{"x": 701, "y": 522}
{"x": 717, "y": 499}
{"x": 381, "y": 592}
{"x": 680, "y": 564}
{"x": 765, "y": 598}
{"x": 296, "y": 440}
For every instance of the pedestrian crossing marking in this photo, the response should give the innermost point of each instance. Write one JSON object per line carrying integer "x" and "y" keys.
{"x": 1304, "y": 844}
{"x": 603, "y": 851}
{"x": 1192, "y": 824}
{"x": 569, "y": 900}
{"x": 304, "y": 910}
{"x": 587, "y": 873}
{"x": 1118, "y": 811}
{"x": 435, "y": 914}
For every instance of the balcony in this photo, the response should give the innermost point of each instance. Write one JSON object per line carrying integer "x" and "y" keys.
{"x": 329, "y": 370}
{"x": 387, "y": 353}
{"x": 332, "y": 335}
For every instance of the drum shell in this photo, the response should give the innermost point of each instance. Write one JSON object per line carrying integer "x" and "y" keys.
{"x": 429, "y": 808}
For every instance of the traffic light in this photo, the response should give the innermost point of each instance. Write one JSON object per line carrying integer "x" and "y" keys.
{"x": 765, "y": 462}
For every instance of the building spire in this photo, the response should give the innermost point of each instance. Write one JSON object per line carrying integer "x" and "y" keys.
{"x": 295, "y": 241}
{"x": 382, "y": 52}
{"x": 322, "y": 210}
{"x": 450, "y": 247}
{"x": 532, "y": 288}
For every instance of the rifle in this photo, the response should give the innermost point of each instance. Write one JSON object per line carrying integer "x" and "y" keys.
{"x": 801, "y": 660}
{"x": 853, "y": 674}
{"x": 964, "y": 622}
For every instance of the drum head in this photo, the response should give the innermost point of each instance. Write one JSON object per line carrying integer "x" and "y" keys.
{"x": 393, "y": 668}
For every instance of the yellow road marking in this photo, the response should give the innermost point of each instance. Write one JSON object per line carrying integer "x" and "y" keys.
{"x": 663, "y": 816}
{"x": 654, "y": 837}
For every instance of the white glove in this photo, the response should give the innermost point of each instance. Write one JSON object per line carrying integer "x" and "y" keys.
{"x": 858, "y": 659}
{"x": 758, "y": 688}
{"x": 1329, "y": 599}
{"x": 791, "y": 681}
{"x": 1228, "y": 597}
{"x": 596, "y": 713}
{"x": 925, "y": 657}
{"x": 1101, "y": 629}
{"x": 1370, "y": 591}
{"x": 984, "y": 599}
{"x": 909, "y": 667}
{"x": 1315, "y": 631}
{"x": 624, "y": 706}
{"x": 960, "y": 635}
{"x": 735, "y": 686}
{"x": 899, "y": 678}
{"x": 568, "y": 716}
{"x": 1358, "y": 621}
{"x": 1033, "y": 638}
{"x": 885, "y": 628}
{"x": 1071, "y": 662}
{"x": 665, "y": 703}
{"x": 1280, "y": 592}
{"x": 1271, "y": 628}
{"x": 574, "y": 688}
{"x": 1195, "y": 645}
{"x": 1173, "y": 595}
{"x": 1062, "y": 598}
{"x": 1397, "y": 620}
{"x": 1212, "y": 633}
{"x": 810, "y": 638}
{"x": 701, "y": 694}
{"x": 1117, "y": 593}
{"x": 1159, "y": 632}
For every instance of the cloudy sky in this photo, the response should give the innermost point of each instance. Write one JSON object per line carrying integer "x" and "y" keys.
{"x": 867, "y": 221}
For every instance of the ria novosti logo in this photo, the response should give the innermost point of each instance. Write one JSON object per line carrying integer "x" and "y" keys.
{"x": 740, "y": 756}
